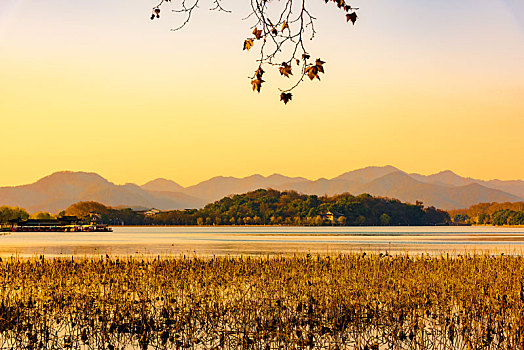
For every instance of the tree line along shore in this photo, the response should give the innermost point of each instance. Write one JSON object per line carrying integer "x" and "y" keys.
{"x": 272, "y": 207}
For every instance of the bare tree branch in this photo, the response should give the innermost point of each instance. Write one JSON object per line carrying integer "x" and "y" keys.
{"x": 281, "y": 27}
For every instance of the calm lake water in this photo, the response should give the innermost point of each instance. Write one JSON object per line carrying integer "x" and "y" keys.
{"x": 264, "y": 240}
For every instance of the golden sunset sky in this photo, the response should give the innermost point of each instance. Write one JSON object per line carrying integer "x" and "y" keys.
{"x": 418, "y": 84}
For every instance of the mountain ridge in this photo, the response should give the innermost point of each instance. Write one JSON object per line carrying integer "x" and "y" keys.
{"x": 445, "y": 189}
{"x": 59, "y": 190}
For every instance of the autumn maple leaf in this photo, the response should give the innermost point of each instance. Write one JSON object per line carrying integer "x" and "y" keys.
{"x": 248, "y": 43}
{"x": 257, "y": 84}
{"x": 285, "y": 97}
{"x": 257, "y": 33}
{"x": 351, "y": 17}
{"x": 313, "y": 70}
{"x": 259, "y": 72}
{"x": 285, "y": 69}
{"x": 319, "y": 64}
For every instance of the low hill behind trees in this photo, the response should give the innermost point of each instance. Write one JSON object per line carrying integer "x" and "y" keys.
{"x": 508, "y": 213}
{"x": 291, "y": 208}
{"x": 82, "y": 209}
{"x": 273, "y": 207}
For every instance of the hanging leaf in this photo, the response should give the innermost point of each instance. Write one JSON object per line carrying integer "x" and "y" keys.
{"x": 351, "y": 17}
{"x": 285, "y": 69}
{"x": 285, "y": 41}
{"x": 285, "y": 97}
{"x": 319, "y": 64}
{"x": 259, "y": 72}
{"x": 257, "y": 84}
{"x": 248, "y": 43}
{"x": 257, "y": 33}
{"x": 312, "y": 72}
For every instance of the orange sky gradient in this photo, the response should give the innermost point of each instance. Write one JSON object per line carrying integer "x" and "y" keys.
{"x": 97, "y": 86}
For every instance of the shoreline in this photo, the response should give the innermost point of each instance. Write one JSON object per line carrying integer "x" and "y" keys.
{"x": 338, "y": 226}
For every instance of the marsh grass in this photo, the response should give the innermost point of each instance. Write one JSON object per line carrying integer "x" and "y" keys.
{"x": 353, "y": 301}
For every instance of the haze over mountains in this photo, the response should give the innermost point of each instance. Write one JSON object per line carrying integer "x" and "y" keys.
{"x": 445, "y": 190}
{"x": 56, "y": 192}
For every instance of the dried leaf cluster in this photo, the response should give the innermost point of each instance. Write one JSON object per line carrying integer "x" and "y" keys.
{"x": 279, "y": 32}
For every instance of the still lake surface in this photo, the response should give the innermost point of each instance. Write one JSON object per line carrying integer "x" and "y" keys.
{"x": 236, "y": 240}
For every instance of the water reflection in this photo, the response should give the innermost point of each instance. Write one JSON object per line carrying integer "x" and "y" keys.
{"x": 263, "y": 240}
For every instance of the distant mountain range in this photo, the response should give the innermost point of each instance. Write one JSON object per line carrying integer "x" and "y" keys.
{"x": 56, "y": 192}
{"x": 445, "y": 190}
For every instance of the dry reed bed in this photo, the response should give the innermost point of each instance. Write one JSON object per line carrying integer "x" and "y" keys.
{"x": 333, "y": 302}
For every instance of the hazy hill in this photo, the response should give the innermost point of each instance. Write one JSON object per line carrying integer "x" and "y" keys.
{"x": 445, "y": 190}
{"x": 401, "y": 186}
{"x": 515, "y": 187}
{"x": 59, "y": 190}
{"x": 367, "y": 174}
{"x": 321, "y": 187}
{"x": 162, "y": 185}
{"x": 447, "y": 177}
{"x": 350, "y": 182}
{"x": 218, "y": 187}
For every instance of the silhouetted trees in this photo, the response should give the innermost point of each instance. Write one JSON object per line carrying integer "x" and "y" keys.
{"x": 272, "y": 207}
{"x": 508, "y": 213}
{"x": 11, "y": 213}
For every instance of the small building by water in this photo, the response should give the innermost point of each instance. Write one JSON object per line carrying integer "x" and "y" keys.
{"x": 64, "y": 223}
